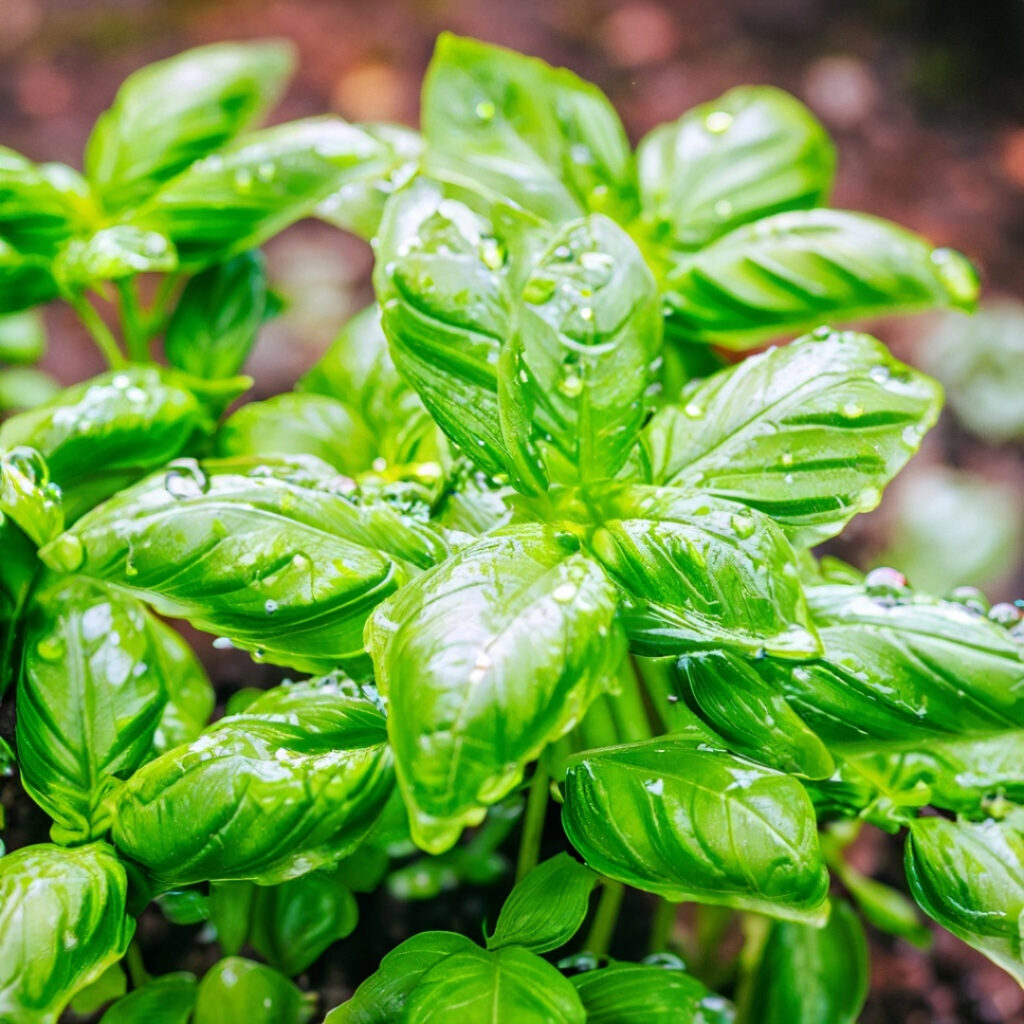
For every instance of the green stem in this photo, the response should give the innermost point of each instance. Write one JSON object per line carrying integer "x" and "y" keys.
{"x": 131, "y": 320}
{"x": 598, "y": 726}
{"x": 599, "y": 937}
{"x": 93, "y": 322}
{"x": 628, "y": 704}
{"x": 159, "y": 314}
{"x": 136, "y": 968}
{"x": 661, "y": 926}
{"x": 533, "y": 823}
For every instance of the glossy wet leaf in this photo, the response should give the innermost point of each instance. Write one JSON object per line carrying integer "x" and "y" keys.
{"x": 28, "y": 496}
{"x": 293, "y": 783}
{"x": 490, "y": 988}
{"x": 970, "y": 878}
{"x": 698, "y": 572}
{"x": 546, "y": 908}
{"x": 808, "y": 434}
{"x": 752, "y": 152}
{"x": 693, "y": 823}
{"x": 168, "y": 999}
{"x": 111, "y": 254}
{"x": 485, "y": 660}
{"x": 270, "y": 554}
{"x": 793, "y": 270}
{"x": 62, "y": 924}
{"x": 236, "y": 989}
{"x": 514, "y": 127}
{"x": 213, "y": 326}
{"x": 810, "y": 975}
{"x": 170, "y": 113}
{"x": 644, "y": 994}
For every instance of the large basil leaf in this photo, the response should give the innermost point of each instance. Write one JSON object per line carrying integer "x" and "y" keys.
{"x": 25, "y": 279}
{"x": 792, "y": 270}
{"x": 970, "y": 878}
{"x": 752, "y": 152}
{"x": 168, "y": 999}
{"x": 510, "y": 984}
{"x": 293, "y": 783}
{"x": 269, "y": 553}
{"x": 168, "y": 114}
{"x": 381, "y": 999}
{"x": 257, "y": 185}
{"x": 487, "y": 659}
{"x": 808, "y": 434}
{"x": 28, "y": 496}
{"x": 519, "y": 129}
{"x": 586, "y": 341}
{"x": 698, "y": 572}
{"x": 693, "y": 823}
{"x": 645, "y": 994}
{"x": 546, "y": 908}
{"x": 810, "y": 975}
{"x": 236, "y": 989}
{"x": 62, "y": 924}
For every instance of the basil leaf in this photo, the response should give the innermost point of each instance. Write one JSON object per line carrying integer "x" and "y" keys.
{"x": 257, "y": 185}
{"x": 383, "y": 996}
{"x": 810, "y": 975}
{"x": 110, "y": 985}
{"x": 300, "y": 424}
{"x": 692, "y": 823}
{"x": 752, "y": 716}
{"x": 24, "y": 387}
{"x": 490, "y": 988}
{"x": 18, "y": 570}
{"x": 295, "y": 921}
{"x": 546, "y": 908}
{"x": 111, "y": 254}
{"x": 516, "y": 128}
{"x": 190, "y": 696}
{"x": 268, "y": 553}
{"x": 884, "y": 907}
{"x": 62, "y": 924}
{"x": 214, "y": 324}
{"x": 645, "y": 994}
{"x": 231, "y": 913}
{"x": 92, "y": 690}
{"x": 168, "y": 999}
{"x": 170, "y": 113}
{"x": 292, "y": 784}
{"x": 238, "y": 989}
{"x": 28, "y": 496}
{"x": 25, "y": 280}
{"x": 586, "y": 344}
{"x": 970, "y": 878}
{"x": 486, "y": 659}
{"x": 750, "y": 153}
{"x": 808, "y": 434}
{"x": 698, "y": 572}
{"x": 22, "y": 337}
{"x": 792, "y": 270}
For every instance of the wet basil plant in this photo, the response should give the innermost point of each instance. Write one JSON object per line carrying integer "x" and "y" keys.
{"x": 533, "y": 538}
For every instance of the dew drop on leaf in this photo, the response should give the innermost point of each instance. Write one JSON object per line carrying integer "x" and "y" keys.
{"x": 718, "y": 121}
{"x": 885, "y": 582}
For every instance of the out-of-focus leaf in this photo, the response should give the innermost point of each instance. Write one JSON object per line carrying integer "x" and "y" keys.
{"x": 168, "y": 999}
{"x": 110, "y": 985}
{"x": 236, "y": 989}
{"x": 22, "y": 337}
{"x": 111, "y": 254}
{"x": 25, "y": 279}
{"x": 25, "y": 387}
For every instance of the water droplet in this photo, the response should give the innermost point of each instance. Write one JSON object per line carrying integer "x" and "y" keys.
{"x": 130, "y": 568}
{"x": 51, "y": 647}
{"x": 1005, "y": 614}
{"x": 787, "y": 458}
{"x": 879, "y": 374}
{"x": 222, "y": 643}
{"x": 564, "y": 592}
{"x": 743, "y": 526}
{"x": 970, "y": 597}
{"x": 821, "y": 333}
{"x": 243, "y": 179}
{"x": 29, "y": 463}
{"x": 723, "y": 209}
{"x": 121, "y": 381}
{"x": 270, "y": 606}
{"x": 851, "y": 410}
{"x": 258, "y": 655}
{"x": 485, "y": 110}
{"x": 379, "y": 464}
{"x": 885, "y": 582}
{"x": 571, "y": 386}
{"x": 586, "y": 313}
{"x": 693, "y": 410}
{"x": 67, "y": 552}
{"x": 718, "y": 121}
{"x": 185, "y": 480}
{"x": 957, "y": 275}
{"x": 538, "y": 290}
{"x": 492, "y": 253}
{"x": 266, "y": 171}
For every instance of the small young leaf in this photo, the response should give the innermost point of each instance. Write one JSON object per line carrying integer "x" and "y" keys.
{"x": 697, "y": 824}
{"x": 547, "y": 908}
{"x": 236, "y": 989}
{"x": 168, "y": 999}
{"x": 28, "y": 496}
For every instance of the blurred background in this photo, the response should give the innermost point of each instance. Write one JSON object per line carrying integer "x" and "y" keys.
{"x": 925, "y": 99}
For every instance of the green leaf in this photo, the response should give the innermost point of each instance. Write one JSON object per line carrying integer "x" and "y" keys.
{"x": 18, "y": 570}
{"x": 381, "y": 999}
{"x": 231, "y": 913}
{"x": 28, "y": 496}
{"x": 883, "y": 906}
{"x": 294, "y": 922}
{"x": 586, "y": 342}
{"x": 516, "y": 128}
{"x": 808, "y": 434}
{"x": 236, "y": 989}
{"x": 62, "y": 924}
{"x": 94, "y": 684}
{"x": 215, "y": 322}
{"x": 168, "y": 999}
{"x": 546, "y": 908}
{"x": 300, "y": 424}
{"x": 25, "y": 280}
{"x": 492, "y": 988}
{"x": 810, "y": 975}
{"x": 970, "y": 878}
{"x": 269, "y": 553}
{"x": 256, "y": 186}
{"x": 111, "y": 254}
{"x": 292, "y": 784}
{"x": 184, "y": 906}
{"x": 110, "y": 985}
{"x": 22, "y": 337}
{"x": 645, "y": 994}
{"x": 692, "y": 823}
{"x": 169, "y": 114}
{"x": 793, "y": 270}
{"x": 698, "y": 572}
{"x": 486, "y": 659}
{"x": 750, "y": 153}
{"x": 25, "y": 387}
{"x": 190, "y": 697}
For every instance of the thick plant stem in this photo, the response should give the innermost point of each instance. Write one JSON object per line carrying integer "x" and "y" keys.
{"x": 598, "y": 726}
{"x": 131, "y": 321}
{"x": 661, "y": 926}
{"x": 533, "y": 823}
{"x": 136, "y": 968}
{"x": 94, "y": 324}
{"x": 599, "y": 937}
{"x": 630, "y": 713}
